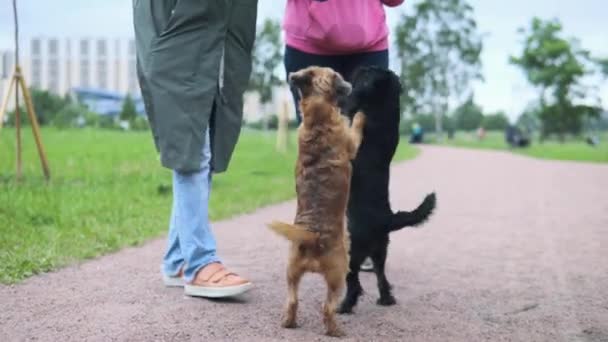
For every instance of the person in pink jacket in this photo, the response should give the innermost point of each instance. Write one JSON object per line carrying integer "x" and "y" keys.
{"x": 340, "y": 34}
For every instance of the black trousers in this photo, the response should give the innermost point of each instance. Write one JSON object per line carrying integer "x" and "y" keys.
{"x": 343, "y": 64}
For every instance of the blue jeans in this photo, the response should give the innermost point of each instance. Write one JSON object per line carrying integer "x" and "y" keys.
{"x": 190, "y": 244}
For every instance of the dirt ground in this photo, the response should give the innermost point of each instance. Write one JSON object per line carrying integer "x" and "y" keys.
{"x": 517, "y": 251}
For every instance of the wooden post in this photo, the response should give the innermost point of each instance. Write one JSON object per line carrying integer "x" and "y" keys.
{"x": 34, "y": 123}
{"x": 283, "y": 129}
{"x": 18, "y": 148}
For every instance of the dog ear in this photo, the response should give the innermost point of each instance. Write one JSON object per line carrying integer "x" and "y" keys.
{"x": 300, "y": 79}
{"x": 341, "y": 87}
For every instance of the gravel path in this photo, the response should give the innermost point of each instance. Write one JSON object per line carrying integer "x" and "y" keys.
{"x": 517, "y": 251}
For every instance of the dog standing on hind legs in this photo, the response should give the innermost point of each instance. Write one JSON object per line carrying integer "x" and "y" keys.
{"x": 326, "y": 146}
{"x": 376, "y": 92}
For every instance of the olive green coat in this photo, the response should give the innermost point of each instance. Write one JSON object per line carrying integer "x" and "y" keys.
{"x": 193, "y": 64}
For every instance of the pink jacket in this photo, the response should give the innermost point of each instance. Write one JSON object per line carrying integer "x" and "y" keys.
{"x": 333, "y": 27}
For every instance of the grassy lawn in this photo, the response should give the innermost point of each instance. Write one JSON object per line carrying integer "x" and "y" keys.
{"x": 570, "y": 150}
{"x": 108, "y": 191}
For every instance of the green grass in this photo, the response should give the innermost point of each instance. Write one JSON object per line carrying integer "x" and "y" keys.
{"x": 575, "y": 150}
{"x": 104, "y": 194}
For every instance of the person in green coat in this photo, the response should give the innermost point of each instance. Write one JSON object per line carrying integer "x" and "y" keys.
{"x": 193, "y": 64}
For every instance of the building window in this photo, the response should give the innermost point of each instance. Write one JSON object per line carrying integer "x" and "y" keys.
{"x": 36, "y": 73}
{"x": 132, "y": 77}
{"x": 6, "y": 65}
{"x": 36, "y": 47}
{"x": 54, "y": 75}
{"x": 102, "y": 74}
{"x": 102, "y": 48}
{"x": 85, "y": 80}
{"x": 53, "y": 47}
{"x": 84, "y": 47}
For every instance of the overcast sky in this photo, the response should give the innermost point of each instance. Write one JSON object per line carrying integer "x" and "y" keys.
{"x": 504, "y": 88}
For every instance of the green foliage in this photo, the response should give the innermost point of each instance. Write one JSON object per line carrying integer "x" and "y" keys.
{"x": 439, "y": 47}
{"x": 495, "y": 122}
{"x": 128, "y": 112}
{"x": 140, "y": 124}
{"x": 468, "y": 116}
{"x": 47, "y": 105}
{"x": 91, "y": 119}
{"x": 267, "y": 56}
{"x": 557, "y": 66}
{"x": 68, "y": 116}
{"x": 529, "y": 120}
{"x": 107, "y": 122}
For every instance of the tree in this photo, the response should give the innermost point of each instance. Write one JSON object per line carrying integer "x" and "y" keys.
{"x": 128, "y": 112}
{"x": 46, "y": 105}
{"x": 529, "y": 119}
{"x": 267, "y": 56}
{"x": 495, "y": 122}
{"x": 439, "y": 49}
{"x": 468, "y": 116}
{"x": 556, "y": 66}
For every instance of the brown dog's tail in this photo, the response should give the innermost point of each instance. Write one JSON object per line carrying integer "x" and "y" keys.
{"x": 294, "y": 233}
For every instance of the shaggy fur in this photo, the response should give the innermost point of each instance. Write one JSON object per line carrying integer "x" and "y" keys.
{"x": 327, "y": 145}
{"x": 370, "y": 217}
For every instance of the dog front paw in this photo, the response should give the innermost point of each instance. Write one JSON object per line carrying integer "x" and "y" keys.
{"x": 359, "y": 119}
{"x": 386, "y": 300}
{"x": 335, "y": 332}
{"x": 345, "y": 309}
{"x": 289, "y": 324}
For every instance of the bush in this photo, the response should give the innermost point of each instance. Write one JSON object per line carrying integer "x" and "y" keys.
{"x": 495, "y": 122}
{"x": 68, "y": 116}
{"x": 91, "y": 119}
{"x": 108, "y": 122}
{"x": 468, "y": 116}
{"x": 140, "y": 123}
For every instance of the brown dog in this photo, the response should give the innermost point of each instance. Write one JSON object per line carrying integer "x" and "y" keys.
{"x": 323, "y": 170}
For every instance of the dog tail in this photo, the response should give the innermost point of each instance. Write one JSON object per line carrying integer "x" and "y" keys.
{"x": 404, "y": 219}
{"x": 294, "y": 233}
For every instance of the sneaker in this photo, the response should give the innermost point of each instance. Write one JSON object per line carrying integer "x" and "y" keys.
{"x": 367, "y": 265}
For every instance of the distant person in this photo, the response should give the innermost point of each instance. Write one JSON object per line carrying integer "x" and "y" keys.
{"x": 592, "y": 140}
{"x": 481, "y": 133}
{"x": 339, "y": 34}
{"x": 417, "y": 134}
{"x": 193, "y": 64}
{"x": 515, "y": 137}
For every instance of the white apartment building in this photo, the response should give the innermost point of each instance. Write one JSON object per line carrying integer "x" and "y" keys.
{"x": 101, "y": 64}
{"x": 58, "y": 65}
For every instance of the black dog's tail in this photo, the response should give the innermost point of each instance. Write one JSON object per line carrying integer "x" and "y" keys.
{"x": 404, "y": 219}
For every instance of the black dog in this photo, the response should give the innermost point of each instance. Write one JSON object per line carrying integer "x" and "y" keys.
{"x": 376, "y": 93}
